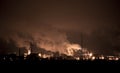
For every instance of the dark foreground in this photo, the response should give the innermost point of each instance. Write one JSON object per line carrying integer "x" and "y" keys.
{"x": 61, "y": 62}
{"x": 60, "y": 65}
{"x": 35, "y": 60}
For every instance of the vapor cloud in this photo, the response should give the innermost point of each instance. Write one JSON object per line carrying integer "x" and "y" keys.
{"x": 45, "y": 37}
{"x": 60, "y": 22}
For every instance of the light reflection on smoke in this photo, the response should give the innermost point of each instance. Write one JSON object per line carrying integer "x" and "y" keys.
{"x": 50, "y": 40}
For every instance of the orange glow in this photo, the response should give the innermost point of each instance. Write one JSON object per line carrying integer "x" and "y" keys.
{"x": 39, "y": 54}
{"x": 90, "y": 54}
{"x": 93, "y": 58}
{"x": 29, "y": 52}
{"x": 71, "y": 48}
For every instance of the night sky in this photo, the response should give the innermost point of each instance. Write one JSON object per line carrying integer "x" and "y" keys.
{"x": 96, "y": 21}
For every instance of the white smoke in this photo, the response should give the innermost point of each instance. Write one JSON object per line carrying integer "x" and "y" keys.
{"x": 49, "y": 39}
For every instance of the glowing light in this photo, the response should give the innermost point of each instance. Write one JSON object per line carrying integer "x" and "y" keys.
{"x": 71, "y": 48}
{"x": 25, "y": 54}
{"x": 90, "y": 54}
{"x": 39, "y": 54}
{"x": 29, "y": 52}
{"x": 102, "y": 57}
{"x": 110, "y": 59}
{"x": 77, "y": 58}
{"x": 46, "y": 56}
{"x": 93, "y": 58}
{"x": 116, "y": 58}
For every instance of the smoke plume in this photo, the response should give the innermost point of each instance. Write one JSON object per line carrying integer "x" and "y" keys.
{"x": 44, "y": 37}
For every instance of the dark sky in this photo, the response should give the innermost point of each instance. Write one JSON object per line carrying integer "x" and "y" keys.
{"x": 97, "y": 20}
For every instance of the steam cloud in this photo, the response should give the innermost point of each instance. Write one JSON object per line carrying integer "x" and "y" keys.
{"x": 45, "y": 23}
{"x": 44, "y": 37}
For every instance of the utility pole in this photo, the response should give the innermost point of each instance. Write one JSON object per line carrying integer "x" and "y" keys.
{"x": 82, "y": 45}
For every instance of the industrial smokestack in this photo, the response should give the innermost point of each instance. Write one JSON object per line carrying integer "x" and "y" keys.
{"x": 31, "y": 47}
{"x": 82, "y": 45}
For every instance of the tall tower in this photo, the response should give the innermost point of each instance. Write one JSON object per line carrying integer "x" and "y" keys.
{"x": 33, "y": 48}
{"x": 82, "y": 45}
